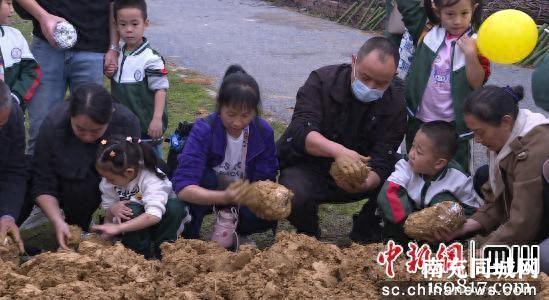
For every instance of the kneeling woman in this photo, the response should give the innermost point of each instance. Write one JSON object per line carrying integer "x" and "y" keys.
{"x": 518, "y": 144}
{"x": 229, "y": 145}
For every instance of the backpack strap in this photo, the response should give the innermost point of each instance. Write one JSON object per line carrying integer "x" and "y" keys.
{"x": 426, "y": 29}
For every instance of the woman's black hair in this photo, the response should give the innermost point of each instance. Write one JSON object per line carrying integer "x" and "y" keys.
{"x": 118, "y": 154}
{"x": 491, "y": 103}
{"x": 239, "y": 89}
{"x": 476, "y": 20}
{"x": 92, "y": 100}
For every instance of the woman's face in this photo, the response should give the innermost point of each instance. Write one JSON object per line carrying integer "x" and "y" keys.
{"x": 491, "y": 136}
{"x": 86, "y": 130}
{"x": 235, "y": 119}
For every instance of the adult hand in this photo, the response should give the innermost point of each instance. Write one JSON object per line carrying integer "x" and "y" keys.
{"x": 446, "y": 235}
{"x": 110, "y": 64}
{"x": 8, "y": 227}
{"x": 62, "y": 233}
{"x": 107, "y": 230}
{"x": 348, "y": 162}
{"x": 237, "y": 191}
{"x": 468, "y": 46}
{"x": 47, "y": 25}
{"x": 155, "y": 128}
{"x": 121, "y": 211}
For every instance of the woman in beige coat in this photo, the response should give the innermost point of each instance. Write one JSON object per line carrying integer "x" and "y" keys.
{"x": 518, "y": 144}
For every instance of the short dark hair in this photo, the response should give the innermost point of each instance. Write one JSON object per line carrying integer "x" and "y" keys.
{"x": 139, "y": 4}
{"x": 491, "y": 103}
{"x": 5, "y": 93}
{"x": 383, "y": 45}
{"x": 443, "y": 134}
{"x": 239, "y": 89}
{"x": 92, "y": 100}
{"x": 476, "y": 19}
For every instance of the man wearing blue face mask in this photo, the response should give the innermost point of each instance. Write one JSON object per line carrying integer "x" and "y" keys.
{"x": 344, "y": 113}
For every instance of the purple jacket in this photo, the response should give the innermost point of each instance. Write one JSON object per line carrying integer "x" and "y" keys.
{"x": 205, "y": 149}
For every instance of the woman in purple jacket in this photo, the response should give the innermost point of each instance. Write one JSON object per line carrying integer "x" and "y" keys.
{"x": 212, "y": 160}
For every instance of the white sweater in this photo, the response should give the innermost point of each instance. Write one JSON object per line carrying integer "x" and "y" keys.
{"x": 146, "y": 189}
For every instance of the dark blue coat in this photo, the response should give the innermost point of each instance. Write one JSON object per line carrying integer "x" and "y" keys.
{"x": 205, "y": 149}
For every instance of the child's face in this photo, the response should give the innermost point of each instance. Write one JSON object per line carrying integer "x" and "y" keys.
{"x": 456, "y": 19}
{"x": 116, "y": 179}
{"x": 131, "y": 26}
{"x": 6, "y": 11}
{"x": 422, "y": 157}
{"x": 235, "y": 119}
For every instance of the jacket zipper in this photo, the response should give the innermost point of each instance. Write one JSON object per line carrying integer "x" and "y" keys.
{"x": 124, "y": 56}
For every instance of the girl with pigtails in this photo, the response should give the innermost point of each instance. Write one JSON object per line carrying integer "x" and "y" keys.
{"x": 138, "y": 199}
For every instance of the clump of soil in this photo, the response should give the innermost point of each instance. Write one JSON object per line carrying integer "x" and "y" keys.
{"x": 295, "y": 267}
{"x": 75, "y": 236}
{"x": 9, "y": 251}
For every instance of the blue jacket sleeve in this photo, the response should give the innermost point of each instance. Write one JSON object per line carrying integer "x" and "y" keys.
{"x": 266, "y": 164}
{"x": 193, "y": 159}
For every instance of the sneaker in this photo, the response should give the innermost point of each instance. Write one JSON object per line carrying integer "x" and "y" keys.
{"x": 224, "y": 228}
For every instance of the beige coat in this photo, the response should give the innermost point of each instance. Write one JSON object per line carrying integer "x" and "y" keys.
{"x": 514, "y": 216}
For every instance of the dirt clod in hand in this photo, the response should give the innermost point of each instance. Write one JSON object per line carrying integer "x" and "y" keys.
{"x": 447, "y": 215}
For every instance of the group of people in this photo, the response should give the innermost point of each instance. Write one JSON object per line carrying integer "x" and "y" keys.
{"x": 94, "y": 151}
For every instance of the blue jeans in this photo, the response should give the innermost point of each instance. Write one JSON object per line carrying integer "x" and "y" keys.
{"x": 248, "y": 223}
{"x": 60, "y": 69}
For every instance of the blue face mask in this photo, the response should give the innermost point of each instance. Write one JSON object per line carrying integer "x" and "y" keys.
{"x": 363, "y": 93}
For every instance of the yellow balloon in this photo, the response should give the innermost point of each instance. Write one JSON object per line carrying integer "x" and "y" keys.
{"x": 508, "y": 36}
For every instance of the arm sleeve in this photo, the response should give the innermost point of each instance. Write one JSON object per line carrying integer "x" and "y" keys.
{"x": 525, "y": 213}
{"x": 44, "y": 180}
{"x": 192, "y": 160}
{"x": 307, "y": 114}
{"x": 13, "y": 182}
{"x": 157, "y": 74}
{"x": 393, "y": 198}
{"x": 108, "y": 195}
{"x": 413, "y": 16}
{"x": 29, "y": 77}
{"x": 489, "y": 215}
{"x": 155, "y": 195}
{"x": 267, "y": 162}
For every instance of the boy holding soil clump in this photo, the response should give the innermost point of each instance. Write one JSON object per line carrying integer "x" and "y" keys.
{"x": 426, "y": 177}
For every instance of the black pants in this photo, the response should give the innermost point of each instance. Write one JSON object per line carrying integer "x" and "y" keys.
{"x": 312, "y": 188}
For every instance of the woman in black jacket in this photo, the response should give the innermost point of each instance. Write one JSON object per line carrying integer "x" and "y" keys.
{"x": 63, "y": 166}
{"x": 13, "y": 172}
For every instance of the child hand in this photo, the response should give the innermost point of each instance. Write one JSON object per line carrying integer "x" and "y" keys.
{"x": 155, "y": 128}
{"x": 236, "y": 191}
{"x": 108, "y": 229}
{"x": 121, "y": 211}
{"x": 468, "y": 46}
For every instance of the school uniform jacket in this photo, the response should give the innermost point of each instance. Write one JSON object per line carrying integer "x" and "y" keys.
{"x": 415, "y": 18}
{"x": 139, "y": 75}
{"x": 406, "y": 191}
{"x": 21, "y": 71}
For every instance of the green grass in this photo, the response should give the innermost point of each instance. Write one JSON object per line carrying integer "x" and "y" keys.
{"x": 186, "y": 101}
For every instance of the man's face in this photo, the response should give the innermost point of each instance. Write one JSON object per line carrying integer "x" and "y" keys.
{"x": 373, "y": 71}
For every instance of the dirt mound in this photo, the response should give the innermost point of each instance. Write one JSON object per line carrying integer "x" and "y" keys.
{"x": 295, "y": 267}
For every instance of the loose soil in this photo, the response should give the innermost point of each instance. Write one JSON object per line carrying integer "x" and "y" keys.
{"x": 295, "y": 267}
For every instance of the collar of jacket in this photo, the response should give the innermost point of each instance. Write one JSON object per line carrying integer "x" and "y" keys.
{"x": 139, "y": 49}
{"x": 341, "y": 88}
{"x": 256, "y": 144}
